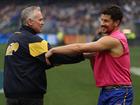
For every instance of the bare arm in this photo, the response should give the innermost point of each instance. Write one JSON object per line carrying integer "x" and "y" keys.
{"x": 105, "y": 43}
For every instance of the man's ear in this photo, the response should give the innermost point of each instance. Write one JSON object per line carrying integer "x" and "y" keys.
{"x": 117, "y": 23}
{"x": 30, "y": 22}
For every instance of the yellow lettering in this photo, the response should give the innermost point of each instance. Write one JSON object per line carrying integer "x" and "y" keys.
{"x": 13, "y": 47}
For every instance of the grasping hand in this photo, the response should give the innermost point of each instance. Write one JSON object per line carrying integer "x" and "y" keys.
{"x": 101, "y": 30}
{"x": 47, "y": 55}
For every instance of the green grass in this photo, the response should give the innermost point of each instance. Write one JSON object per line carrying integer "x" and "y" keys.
{"x": 74, "y": 84}
{"x": 2, "y": 99}
{"x": 2, "y": 51}
{"x": 71, "y": 85}
{"x": 136, "y": 87}
{"x": 135, "y": 56}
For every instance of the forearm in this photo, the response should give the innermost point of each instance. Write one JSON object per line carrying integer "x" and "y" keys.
{"x": 74, "y": 49}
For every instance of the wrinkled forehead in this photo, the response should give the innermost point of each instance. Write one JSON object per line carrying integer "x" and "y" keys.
{"x": 38, "y": 14}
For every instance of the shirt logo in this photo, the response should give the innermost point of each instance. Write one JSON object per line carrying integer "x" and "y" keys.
{"x": 13, "y": 47}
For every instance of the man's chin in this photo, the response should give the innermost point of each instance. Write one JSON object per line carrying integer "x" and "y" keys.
{"x": 104, "y": 32}
{"x": 39, "y": 31}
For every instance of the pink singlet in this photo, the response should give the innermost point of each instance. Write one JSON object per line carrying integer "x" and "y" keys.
{"x": 110, "y": 70}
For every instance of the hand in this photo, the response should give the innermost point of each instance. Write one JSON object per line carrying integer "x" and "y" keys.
{"x": 47, "y": 55}
{"x": 101, "y": 30}
{"x": 48, "y": 62}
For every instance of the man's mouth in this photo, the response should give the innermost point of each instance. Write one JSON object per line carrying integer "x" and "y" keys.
{"x": 104, "y": 29}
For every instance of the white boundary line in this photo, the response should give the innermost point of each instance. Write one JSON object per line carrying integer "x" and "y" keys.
{"x": 135, "y": 71}
{"x": 1, "y": 91}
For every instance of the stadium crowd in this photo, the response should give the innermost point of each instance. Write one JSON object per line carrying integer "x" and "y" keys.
{"x": 80, "y": 18}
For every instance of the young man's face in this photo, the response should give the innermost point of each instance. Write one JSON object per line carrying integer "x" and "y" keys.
{"x": 107, "y": 24}
{"x": 38, "y": 22}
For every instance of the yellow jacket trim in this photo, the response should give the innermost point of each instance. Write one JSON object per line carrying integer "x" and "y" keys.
{"x": 38, "y": 48}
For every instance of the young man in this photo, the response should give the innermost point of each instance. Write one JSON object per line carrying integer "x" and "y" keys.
{"x": 25, "y": 63}
{"x": 111, "y": 59}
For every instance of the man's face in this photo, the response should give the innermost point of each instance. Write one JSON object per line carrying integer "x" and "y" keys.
{"x": 107, "y": 24}
{"x": 37, "y": 23}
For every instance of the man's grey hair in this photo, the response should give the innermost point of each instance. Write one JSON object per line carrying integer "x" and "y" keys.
{"x": 28, "y": 13}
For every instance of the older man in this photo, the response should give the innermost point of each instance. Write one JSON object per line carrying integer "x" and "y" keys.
{"x": 25, "y": 62}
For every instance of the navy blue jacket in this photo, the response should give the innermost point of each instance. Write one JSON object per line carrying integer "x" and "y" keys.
{"x": 25, "y": 65}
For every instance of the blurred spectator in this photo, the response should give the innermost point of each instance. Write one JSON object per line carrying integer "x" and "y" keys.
{"x": 78, "y": 18}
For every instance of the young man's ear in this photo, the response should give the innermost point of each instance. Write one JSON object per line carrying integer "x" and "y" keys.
{"x": 117, "y": 23}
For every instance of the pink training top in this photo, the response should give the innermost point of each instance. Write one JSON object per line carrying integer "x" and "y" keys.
{"x": 110, "y": 70}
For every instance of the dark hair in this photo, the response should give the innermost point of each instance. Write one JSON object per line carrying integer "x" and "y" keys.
{"x": 114, "y": 11}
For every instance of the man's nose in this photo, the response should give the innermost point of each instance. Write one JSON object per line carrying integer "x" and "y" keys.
{"x": 102, "y": 23}
{"x": 42, "y": 22}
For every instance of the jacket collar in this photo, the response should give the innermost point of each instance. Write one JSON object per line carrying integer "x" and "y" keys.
{"x": 28, "y": 29}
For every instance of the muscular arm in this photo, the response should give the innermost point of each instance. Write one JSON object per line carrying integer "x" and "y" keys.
{"x": 105, "y": 43}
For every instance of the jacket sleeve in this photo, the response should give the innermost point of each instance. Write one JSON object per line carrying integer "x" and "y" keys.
{"x": 66, "y": 59}
{"x": 57, "y": 59}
